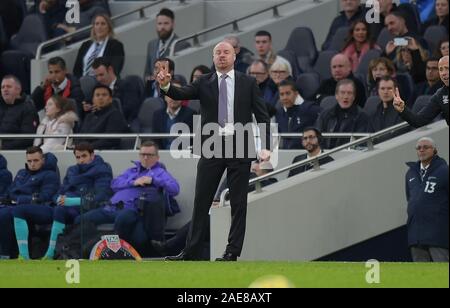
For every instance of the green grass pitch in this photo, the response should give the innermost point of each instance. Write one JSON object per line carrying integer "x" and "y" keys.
{"x": 218, "y": 275}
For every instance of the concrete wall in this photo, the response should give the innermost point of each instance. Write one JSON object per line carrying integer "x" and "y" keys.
{"x": 184, "y": 170}
{"x": 320, "y": 212}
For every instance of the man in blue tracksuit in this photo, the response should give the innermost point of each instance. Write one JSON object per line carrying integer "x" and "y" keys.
{"x": 91, "y": 175}
{"x": 32, "y": 192}
{"x": 5, "y": 215}
{"x": 427, "y": 196}
{"x": 5, "y": 178}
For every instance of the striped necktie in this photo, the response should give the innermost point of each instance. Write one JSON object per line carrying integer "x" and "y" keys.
{"x": 92, "y": 57}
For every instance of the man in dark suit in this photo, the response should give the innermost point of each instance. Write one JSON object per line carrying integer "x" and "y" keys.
{"x": 228, "y": 100}
{"x": 161, "y": 47}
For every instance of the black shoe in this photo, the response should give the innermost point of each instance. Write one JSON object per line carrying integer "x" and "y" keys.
{"x": 160, "y": 247}
{"x": 228, "y": 256}
{"x": 182, "y": 256}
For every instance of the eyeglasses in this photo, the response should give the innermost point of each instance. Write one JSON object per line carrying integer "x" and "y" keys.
{"x": 278, "y": 72}
{"x": 150, "y": 155}
{"x": 257, "y": 73}
{"x": 424, "y": 147}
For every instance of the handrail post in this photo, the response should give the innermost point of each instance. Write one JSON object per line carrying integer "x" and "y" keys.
{"x": 276, "y": 13}
{"x": 142, "y": 14}
{"x": 258, "y": 187}
{"x": 236, "y": 27}
{"x": 196, "y": 41}
{"x": 316, "y": 165}
{"x": 370, "y": 146}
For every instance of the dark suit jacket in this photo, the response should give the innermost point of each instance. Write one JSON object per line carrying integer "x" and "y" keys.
{"x": 131, "y": 96}
{"x": 247, "y": 101}
{"x": 152, "y": 53}
{"x": 160, "y": 118}
{"x": 114, "y": 52}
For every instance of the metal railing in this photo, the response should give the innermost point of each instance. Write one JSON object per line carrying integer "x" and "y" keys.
{"x": 315, "y": 160}
{"x": 138, "y": 137}
{"x": 234, "y": 23}
{"x": 67, "y": 36}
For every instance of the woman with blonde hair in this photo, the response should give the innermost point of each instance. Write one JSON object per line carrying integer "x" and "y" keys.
{"x": 101, "y": 44}
{"x": 60, "y": 119}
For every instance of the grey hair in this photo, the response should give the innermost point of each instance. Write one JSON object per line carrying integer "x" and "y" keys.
{"x": 433, "y": 144}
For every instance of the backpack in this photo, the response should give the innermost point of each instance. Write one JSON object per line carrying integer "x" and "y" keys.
{"x": 77, "y": 242}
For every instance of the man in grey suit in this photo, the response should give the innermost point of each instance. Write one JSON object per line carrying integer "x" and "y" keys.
{"x": 161, "y": 47}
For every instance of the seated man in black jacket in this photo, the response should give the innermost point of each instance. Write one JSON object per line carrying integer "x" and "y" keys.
{"x": 104, "y": 119}
{"x": 341, "y": 68}
{"x": 311, "y": 140}
{"x": 17, "y": 115}
{"x": 345, "y": 117}
{"x": 58, "y": 81}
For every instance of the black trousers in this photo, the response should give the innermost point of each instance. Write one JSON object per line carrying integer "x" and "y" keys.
{"x": 209, "y": 174}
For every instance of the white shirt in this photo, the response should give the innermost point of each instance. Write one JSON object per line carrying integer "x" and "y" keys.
{"x": 173, "y": 115}
{"x": 298, "y": 101}
{"x": 166, "y": 45}
{"x": 61, "y": 86}
{"x": 230, "y": 93}
{"x": 91, "y": 50}
{"x": 111, "y": 86}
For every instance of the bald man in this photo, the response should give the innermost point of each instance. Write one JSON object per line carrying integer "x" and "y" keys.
{"x": 438, "y": 103}
{"x": 227, "y": 98}
{"x": 341, "y": 68}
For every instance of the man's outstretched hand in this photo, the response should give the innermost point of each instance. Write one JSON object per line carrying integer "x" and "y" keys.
{"x": 164, "y": 77}
{"x": 399, "y": 104}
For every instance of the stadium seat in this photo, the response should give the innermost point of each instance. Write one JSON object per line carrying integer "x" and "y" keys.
{"x": 328, "y": 102}
{"x": 371, "y": 105}
{"x": 302, "y": 43}
{"x": 412, "y": 17}
{"x": 406, "y": 83}
{"x": 308, "y": 84}
{"x": 322, "y": 65}
{"x": 30, "y": 35}
{"x": 145, "y": 117}
{"x": 17, "y": 63}
{"x": 434, "y": 35}
{"x": 383, "y": 38}
{"x": 421, "y": 102}
{"x": 87, "y": 84}
{"x": 338, "y": 40}
{"x": 297, "y": 67}
{"x": 194, "y": 104}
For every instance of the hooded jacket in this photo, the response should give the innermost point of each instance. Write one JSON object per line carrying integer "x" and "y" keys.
{"x": 45, "y": 183}
{"x": 5, "y": 177}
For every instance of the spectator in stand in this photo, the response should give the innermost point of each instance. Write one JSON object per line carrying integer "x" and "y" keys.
{"x": 260, "y": 70}
{"x": 17, "y": 114}
{"x": 279, "y": 71}
{"x": 433, "y": 82}
{"x": 441, "y": 18}
{"x": 104, "y": 119}
{"x": 411, "y": 60}
{"x": 130, "y": 99}
{"x": 265, "y": 52}
{"x": 345, "y": 117}
{"x": 60, "y": 118}
{"x": 101, "y": 44}
{"x": 311, "y": 141}
{"x": 57, "y": 82}
{"x": 161, "y": 47}
{"x": 341, "y": 69}
{"x": 198, "y": 71}
{"x": 379, "y": 68}
{"x": 295, "y": 113}
{"x": 386, "y": 7}
{"x": 151, "y": 85}
{"x": 351, "y": 11}
{"x": 5, "y": 179}
{"x": 358, "y": 43}
{"x": 384, "y": 114}
{"x": 443, "y": 49}
{"x": 396, "y": 24}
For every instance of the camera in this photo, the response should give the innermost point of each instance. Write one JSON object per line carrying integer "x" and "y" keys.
{"x": 400, "y": 41}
